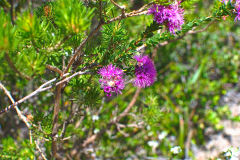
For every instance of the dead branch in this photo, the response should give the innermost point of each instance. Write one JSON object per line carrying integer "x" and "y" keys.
{"x": 40, "y": 151}
{"x": 115, "y": 120}
{"x": 55, "y": 69}
{"x": 46, "y": 86}
{"x": 20, "y": 115}
{"x": 131, "y": 104}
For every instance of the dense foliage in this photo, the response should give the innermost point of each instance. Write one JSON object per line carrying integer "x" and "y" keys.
{"x": 114, "y": 79}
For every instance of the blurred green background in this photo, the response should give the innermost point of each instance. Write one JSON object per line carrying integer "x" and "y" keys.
{"x": 169, "y": 119}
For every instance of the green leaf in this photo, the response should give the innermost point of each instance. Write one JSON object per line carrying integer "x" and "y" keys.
{"x": 72, "y": 17}
{"x": 7, "y": 33}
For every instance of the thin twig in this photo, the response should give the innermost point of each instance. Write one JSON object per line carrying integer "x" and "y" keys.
{"x": 63, "y": 63}
{"x": 20, "y": 115}
{"x": 69, "y": 120}
{"x": 121, "y": 131}
{"x": 70, "y": 77}
{"x": 55, "y": 69}
{"x": 187, "y": 33}
{"x": 89, "y": 140}
{"x": 134, "y": 125}
{"x": 131, "y": 14}
{"x": 188, "y": 143}
{"x": 117, "y": 5}
{"x": 40, "y": 151}
{"x": 79, "y": 49}
{"x": 43, "y": 87}
{"x": 178, "y": 38}
{"x": 30, "y": 136}
{"x": 131, "y": 104}
{"x": 203, "y": 29}
{"x": 120, "y": 7}
{"x": 40, "y": 89}
{"x": 92, "y": 138}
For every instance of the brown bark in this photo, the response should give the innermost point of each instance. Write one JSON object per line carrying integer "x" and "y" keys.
{"x": 55, "y": 122}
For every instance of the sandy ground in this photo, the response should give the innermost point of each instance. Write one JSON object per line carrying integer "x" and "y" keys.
{"x": 229, "y": 137}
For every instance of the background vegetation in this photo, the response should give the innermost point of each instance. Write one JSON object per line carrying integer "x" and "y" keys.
{"x": 42, "y": 41}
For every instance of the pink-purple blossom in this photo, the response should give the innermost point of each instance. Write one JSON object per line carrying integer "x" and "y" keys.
{"x": 145, "y": 72}
{"x": 237, "y": 18}
{"x": 171, "y": 15}
{"x": 237, "y": 8}
{"x": 112, "y": 79}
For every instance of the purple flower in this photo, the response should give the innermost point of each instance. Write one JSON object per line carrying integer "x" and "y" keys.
{"x": 145, "y": 72}
{"x": 237, "y": 4}
{"x": 112, "y": 79}
{"x": 237, "y": 18}
{"x": 237, "y": 8}
{"x": 171, "y": 15}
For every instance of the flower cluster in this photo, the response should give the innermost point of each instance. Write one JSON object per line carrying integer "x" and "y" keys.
{"x": 171, "y": 15}
{"x": 237, "y": 8}
{"x": 112, "y": 79}
{"x": 176, "y": 150}
{"x": 145, "y": 72}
